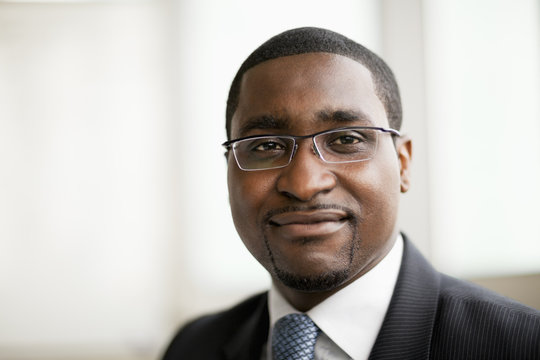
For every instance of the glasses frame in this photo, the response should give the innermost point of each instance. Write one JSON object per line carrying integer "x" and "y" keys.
{"x": 229, "y": 144}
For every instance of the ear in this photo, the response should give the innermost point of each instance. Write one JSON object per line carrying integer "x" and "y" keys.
{"x": 404, "y": 152}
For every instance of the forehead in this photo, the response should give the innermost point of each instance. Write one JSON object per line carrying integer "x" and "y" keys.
{"x": 297, "y": 89}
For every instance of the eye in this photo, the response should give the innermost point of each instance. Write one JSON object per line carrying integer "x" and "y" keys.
{"x": 264, "y": 146}
{"x": 345, "y": 140}
{"x": 268, "y": 146}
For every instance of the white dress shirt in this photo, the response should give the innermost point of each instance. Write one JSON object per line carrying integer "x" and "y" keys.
{"x": 350, "y": 319}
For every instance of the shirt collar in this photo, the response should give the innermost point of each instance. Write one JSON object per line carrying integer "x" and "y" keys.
{"x": 353, "y": 316}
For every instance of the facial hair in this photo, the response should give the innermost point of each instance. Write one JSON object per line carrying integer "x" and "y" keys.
{"x": 320, "y": 282}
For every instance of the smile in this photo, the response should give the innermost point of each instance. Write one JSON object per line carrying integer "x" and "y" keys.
{"x": 308, "y": 224}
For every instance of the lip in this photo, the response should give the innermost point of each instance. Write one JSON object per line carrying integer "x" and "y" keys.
{"x": 308, "y": 217}
{"x": 304, "y": 224}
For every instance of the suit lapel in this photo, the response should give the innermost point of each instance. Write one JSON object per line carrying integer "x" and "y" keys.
{"x": 247, "y": 342}
{"x": 407, "y": 328}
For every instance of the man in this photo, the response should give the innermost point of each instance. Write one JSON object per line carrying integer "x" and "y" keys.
{"x": 316, "y": 165}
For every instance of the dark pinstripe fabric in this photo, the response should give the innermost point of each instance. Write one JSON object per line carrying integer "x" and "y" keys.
{"x": 411, "y": 314}
{"x": 434, "y": 316}
{"x": 431, "y": 316}
{"x": 471, "y": 324}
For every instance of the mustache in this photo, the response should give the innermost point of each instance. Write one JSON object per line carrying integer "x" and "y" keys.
{"x": 295, "y": 208}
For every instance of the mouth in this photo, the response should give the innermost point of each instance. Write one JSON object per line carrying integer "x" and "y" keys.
{"x": 308, "y": 224}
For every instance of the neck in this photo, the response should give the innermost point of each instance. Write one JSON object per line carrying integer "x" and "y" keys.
{"x": 306, "y": 300}
{"x": 300, "y": 300}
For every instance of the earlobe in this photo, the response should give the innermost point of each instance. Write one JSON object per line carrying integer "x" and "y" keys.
{"x": 404, "y": 152}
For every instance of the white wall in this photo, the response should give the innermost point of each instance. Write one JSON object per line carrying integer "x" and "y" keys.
{"x": 483, "y": 91}
{"x": 84, "y": 179}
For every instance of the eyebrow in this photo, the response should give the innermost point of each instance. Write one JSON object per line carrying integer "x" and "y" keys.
{"x": 273, "y": 122}
{"x": 264, "y": 122}
{"x": 344, "y": 117}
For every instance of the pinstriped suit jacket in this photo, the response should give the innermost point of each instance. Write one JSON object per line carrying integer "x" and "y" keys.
{"x": 431, "y": 316}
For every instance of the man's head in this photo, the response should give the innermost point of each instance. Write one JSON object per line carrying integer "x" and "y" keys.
{"x": 310, "y": 40}
{"x": 316, "y": 225}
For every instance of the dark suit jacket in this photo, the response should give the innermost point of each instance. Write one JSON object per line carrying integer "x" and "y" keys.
{"x": 431, "y": 316}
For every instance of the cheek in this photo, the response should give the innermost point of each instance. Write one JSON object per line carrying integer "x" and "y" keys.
{"x": 386, "y": 166}
{"x": 376, "y": 187}
{"x": 248, "y": 192}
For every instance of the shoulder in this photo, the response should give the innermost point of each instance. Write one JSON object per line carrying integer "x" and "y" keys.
{"x": 206, "y": 336}
{"x": 473, "y": 322}
{"x": 462, "y": 292}
{"x": 221, "y": 322}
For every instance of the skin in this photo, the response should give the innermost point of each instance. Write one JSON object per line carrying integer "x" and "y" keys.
{"x": 322, "y": 225}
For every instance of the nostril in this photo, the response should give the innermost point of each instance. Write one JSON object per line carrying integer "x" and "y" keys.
{"x": 305, "y": 177}
{"x": 291, "y": 196}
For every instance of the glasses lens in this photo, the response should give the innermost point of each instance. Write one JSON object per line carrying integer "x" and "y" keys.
{"x": 347, "y": 145}
{"x": 265, "y": 152}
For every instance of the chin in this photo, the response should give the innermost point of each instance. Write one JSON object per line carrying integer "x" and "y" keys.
{"x": 313, "y": 283}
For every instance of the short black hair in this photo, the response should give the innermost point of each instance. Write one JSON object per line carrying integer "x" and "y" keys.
{"x": 310, "y": 40}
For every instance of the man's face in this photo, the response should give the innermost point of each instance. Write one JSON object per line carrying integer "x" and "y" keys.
{"x": 313, "y": 225}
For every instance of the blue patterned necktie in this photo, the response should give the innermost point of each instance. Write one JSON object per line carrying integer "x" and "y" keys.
{"x": 294, "y": 337}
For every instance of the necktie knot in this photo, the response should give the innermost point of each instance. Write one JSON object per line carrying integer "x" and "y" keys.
{"x": 294, "y": 338}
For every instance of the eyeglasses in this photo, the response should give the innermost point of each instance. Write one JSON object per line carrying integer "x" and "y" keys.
{"x": 342, "y": 145}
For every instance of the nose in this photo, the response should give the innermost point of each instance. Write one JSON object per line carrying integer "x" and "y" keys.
{"x": 306, "y": 176}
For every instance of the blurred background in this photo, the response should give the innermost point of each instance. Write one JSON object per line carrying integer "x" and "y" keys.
{"x": 114, "y": 219}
